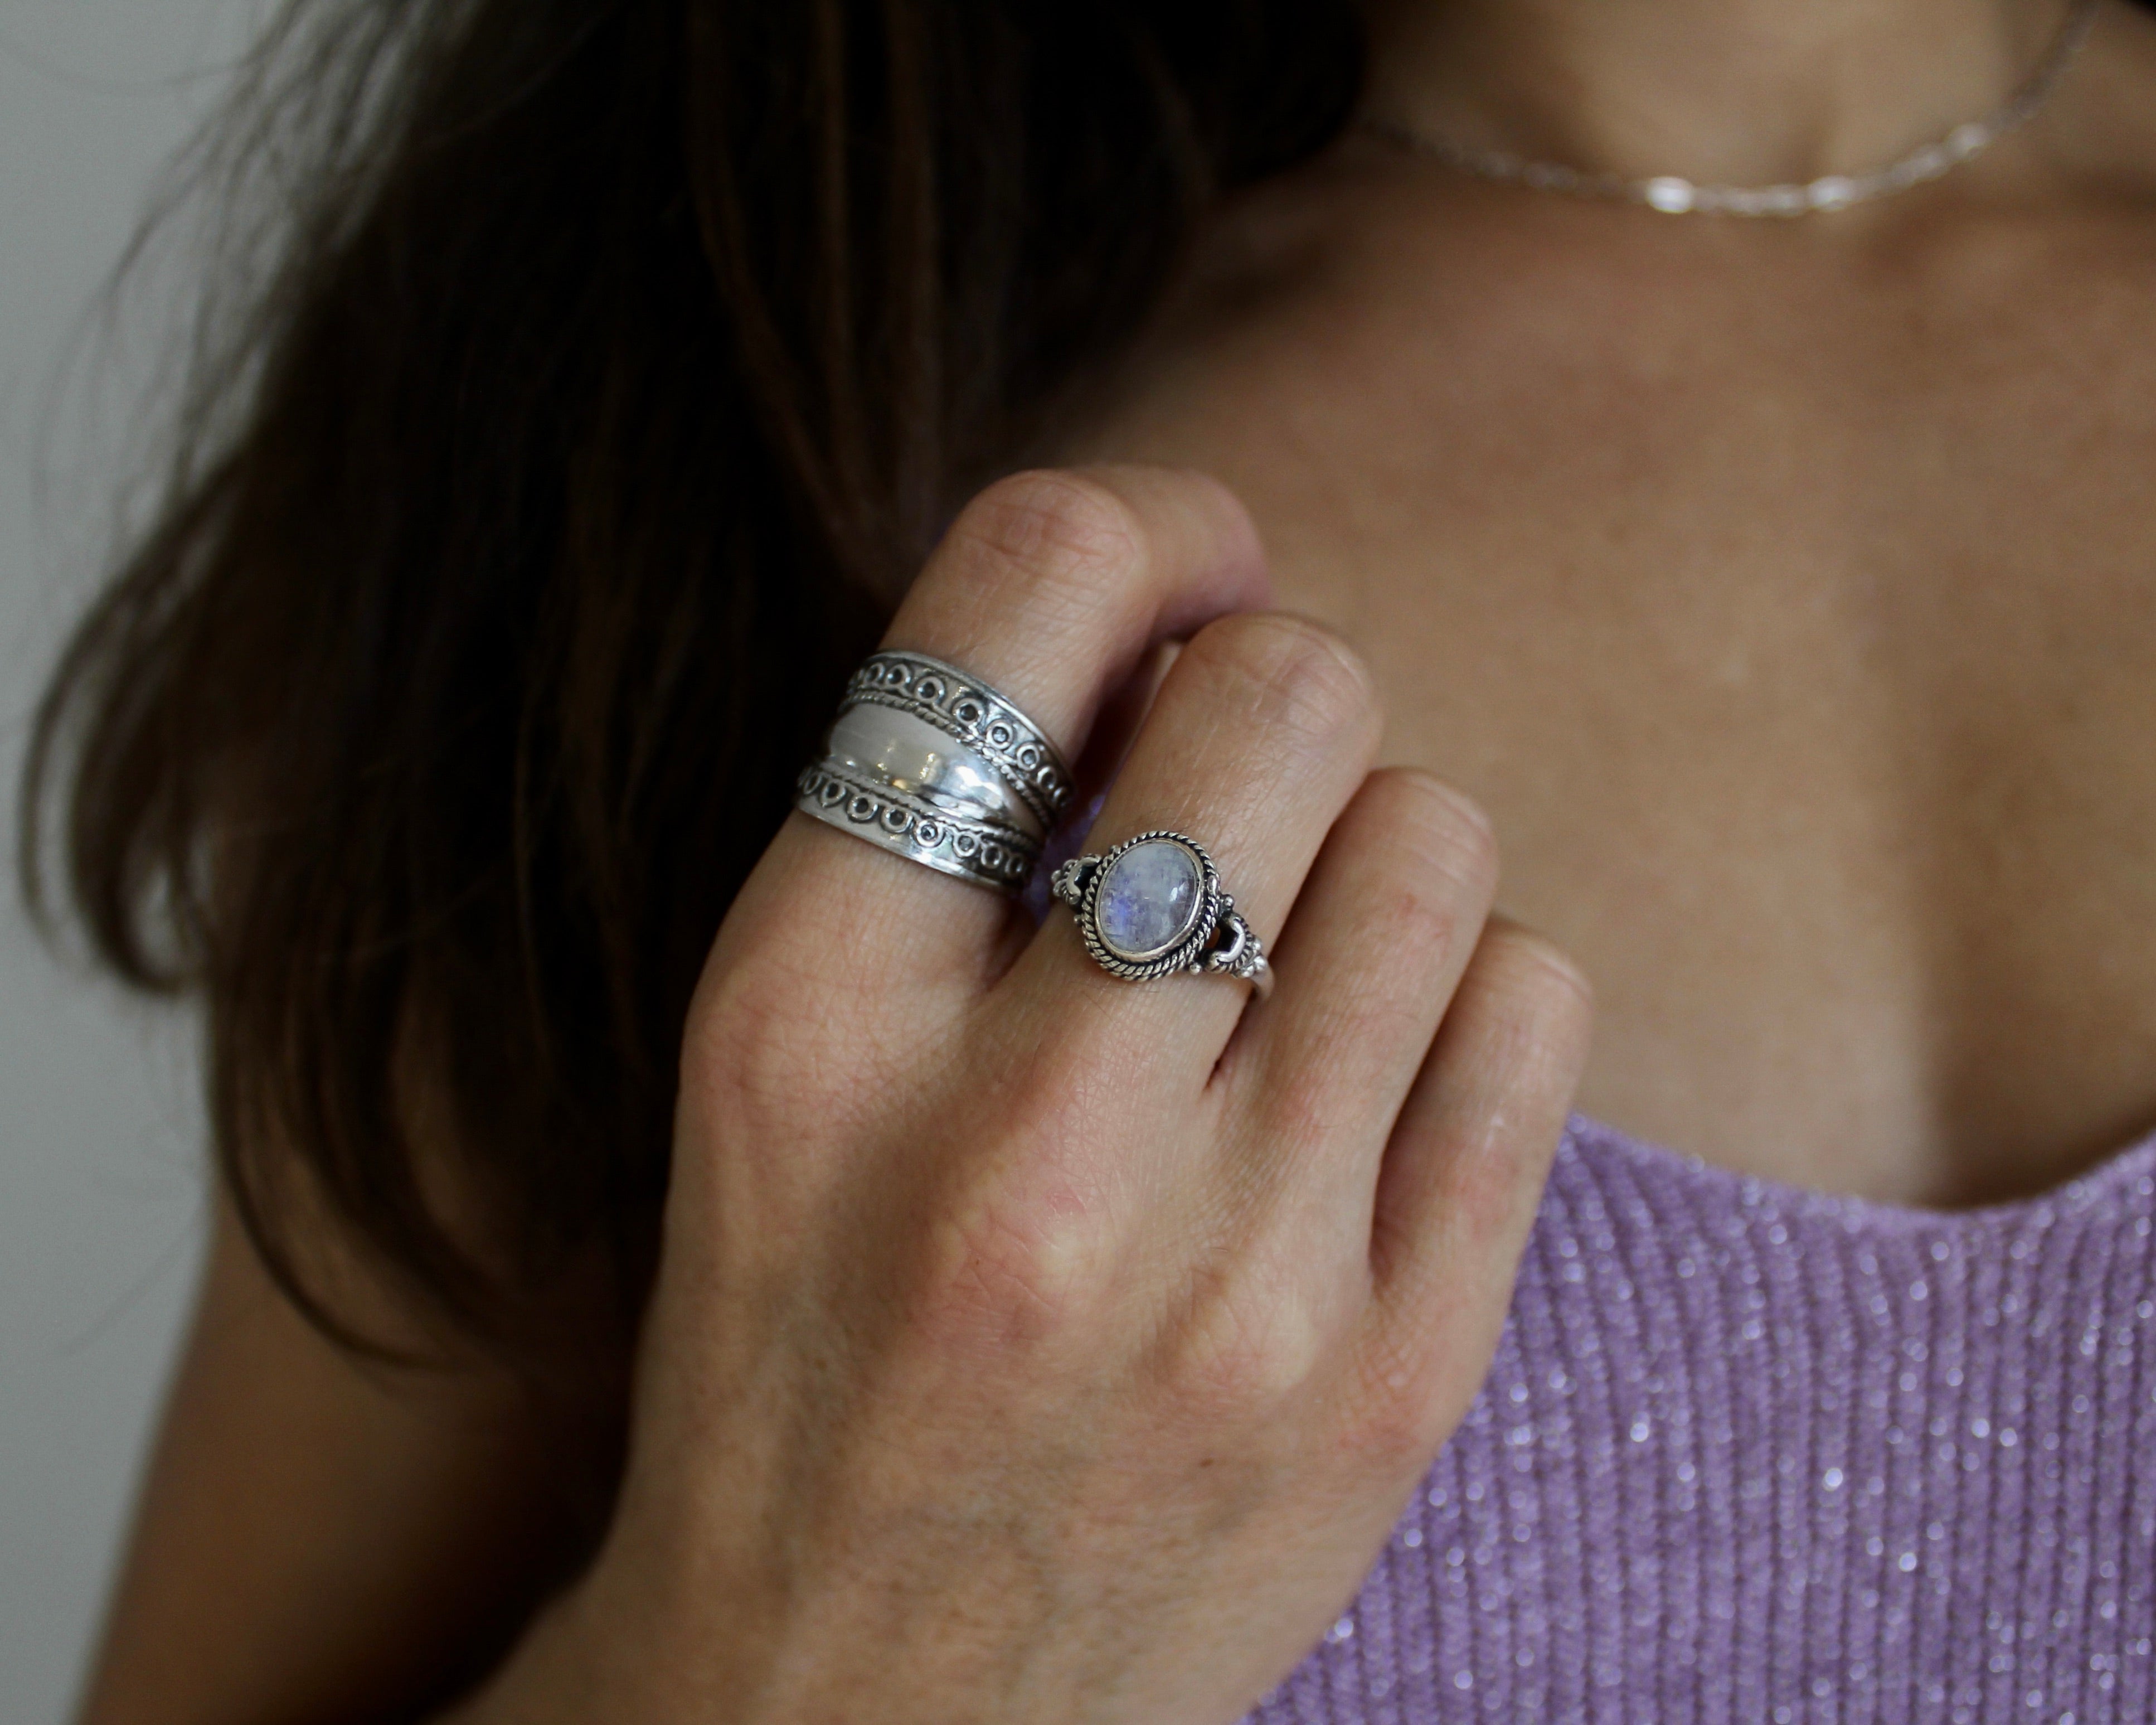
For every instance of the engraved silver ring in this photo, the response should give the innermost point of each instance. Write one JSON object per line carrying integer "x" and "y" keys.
{"x": 933, "y": 765}
{"x": 978, "y": 717}
{"x": 1154, "y": 906}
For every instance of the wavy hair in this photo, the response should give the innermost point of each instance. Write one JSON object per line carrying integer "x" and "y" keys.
{"x": 579, "y": 385}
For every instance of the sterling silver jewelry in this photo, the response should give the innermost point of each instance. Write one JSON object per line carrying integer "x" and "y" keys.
{"x": 984, "y": 852}
{"x": 934, "y": 766}
{"x": 1153, "y": 906}
{"x": 1674, "y": 195}
{"x": 896, "y": 748}
{"x": 968, "y": 710}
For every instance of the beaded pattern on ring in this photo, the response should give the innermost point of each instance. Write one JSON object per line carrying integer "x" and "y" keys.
{"x": 980, "y": 851}
{"x": 974, "y": 714}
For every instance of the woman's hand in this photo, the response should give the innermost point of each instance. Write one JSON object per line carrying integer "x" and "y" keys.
{"x": 1033, "y": 1346}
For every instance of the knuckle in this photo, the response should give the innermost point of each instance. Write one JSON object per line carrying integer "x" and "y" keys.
{"x": 1496, "y": 1155}
{"x": 1001, "y": 1271}
{"x": 1303, "y": 1102}
{"x": 1247, "y": 1345}
{"x": 1400, "y": 1408}
{"x": 1425, "y": 921}
{"x": 1540, "y": 976}
{"x": 1055, "y": 528}
{"x": 1019, "y": 1237}
{"x": 1282, "y": 672}
{"x": 1445, "y": 826}
{"x": 1422, "y": 915}
{"x": 1234, "y": 1364}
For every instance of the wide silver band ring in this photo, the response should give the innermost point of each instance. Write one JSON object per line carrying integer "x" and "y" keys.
{"x": 931, "y": 764}
{"x": 982, "y": 719}
{"x": 885, "y": 745}
{"x": 984, "y": 852}
{"x": 1154, "y": 906}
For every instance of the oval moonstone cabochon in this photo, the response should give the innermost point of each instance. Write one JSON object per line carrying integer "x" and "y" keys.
{"x": 1148, "y": 899}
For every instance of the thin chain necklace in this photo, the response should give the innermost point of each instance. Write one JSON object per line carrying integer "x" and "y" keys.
{"x": 1674, "y": 195}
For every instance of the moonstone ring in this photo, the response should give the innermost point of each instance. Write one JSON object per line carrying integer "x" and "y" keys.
{"x": 1153, "y": 906}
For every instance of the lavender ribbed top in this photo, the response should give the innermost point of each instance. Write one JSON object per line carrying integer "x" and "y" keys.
{"x": 1761, "y": 1456}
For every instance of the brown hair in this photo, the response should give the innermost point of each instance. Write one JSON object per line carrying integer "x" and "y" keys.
{"x": 611, "y": 366}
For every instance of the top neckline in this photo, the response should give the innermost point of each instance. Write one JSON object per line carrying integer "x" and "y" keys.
{"x": 2113, "y": 1174}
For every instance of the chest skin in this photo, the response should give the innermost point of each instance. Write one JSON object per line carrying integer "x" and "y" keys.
{"x": 1788, "y": 597}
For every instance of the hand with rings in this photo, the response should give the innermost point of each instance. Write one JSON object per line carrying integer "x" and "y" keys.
{"x": 1044, "y": 1332}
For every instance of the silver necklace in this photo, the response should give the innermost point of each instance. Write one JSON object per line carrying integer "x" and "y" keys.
{"x": 1674, "y": 195}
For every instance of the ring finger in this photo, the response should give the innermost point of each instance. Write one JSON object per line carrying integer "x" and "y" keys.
{"x": 1259, "y": 736}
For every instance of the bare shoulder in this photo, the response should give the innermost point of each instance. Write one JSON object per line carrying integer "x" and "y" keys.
{"x": 320, "y": 1535}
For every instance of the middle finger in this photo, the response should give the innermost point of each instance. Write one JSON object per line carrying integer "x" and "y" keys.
{"x": 1260, "y": 735}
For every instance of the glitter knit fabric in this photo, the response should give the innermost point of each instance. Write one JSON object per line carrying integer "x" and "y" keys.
{"x": 1752, "y": 1453}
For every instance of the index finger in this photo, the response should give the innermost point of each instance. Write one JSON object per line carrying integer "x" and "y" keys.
{"x": 1050, "y": 586}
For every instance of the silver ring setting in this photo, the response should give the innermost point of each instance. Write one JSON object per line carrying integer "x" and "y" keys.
{"x": 897, "y": 749}
{"x": 1154, "y": 906}
{"x": 969, "y": 711}
{"x": 981, "y": 851}
{"x": 934, "y": 766}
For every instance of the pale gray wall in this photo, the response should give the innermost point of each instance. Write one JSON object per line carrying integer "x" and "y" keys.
{"x": 101, "y": 1194}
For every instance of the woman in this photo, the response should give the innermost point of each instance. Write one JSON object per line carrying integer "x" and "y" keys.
{"x": 1654, "y": 432}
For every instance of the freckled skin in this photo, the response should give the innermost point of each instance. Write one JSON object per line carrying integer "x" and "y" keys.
{"x": 1778, "y": 595}
{"x": 1783, "y": 590}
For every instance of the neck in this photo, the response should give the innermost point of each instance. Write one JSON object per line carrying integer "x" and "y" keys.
{"x": 1741, "y": 92}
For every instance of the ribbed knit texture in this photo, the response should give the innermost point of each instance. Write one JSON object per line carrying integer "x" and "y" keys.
{"x": 1756, "y": 1454}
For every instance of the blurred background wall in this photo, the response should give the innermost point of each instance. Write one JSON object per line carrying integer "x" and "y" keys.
{"x": 101, "y": 1191}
